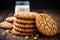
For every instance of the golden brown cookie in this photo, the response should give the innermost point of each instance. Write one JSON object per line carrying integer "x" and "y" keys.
{"x": 24, "y": 25}
{"x": 20, "y": 33}
{"x": 10, "y": 19}
{"x": 46, "y": 25}
{"x": 26, "y": 15}
{"x": 6, "y": 25}
{"x": 24, "y": 21}
{"x": 23, "y": 30}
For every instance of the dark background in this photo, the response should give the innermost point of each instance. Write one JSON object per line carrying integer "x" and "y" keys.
{"x": 34, "y": 4}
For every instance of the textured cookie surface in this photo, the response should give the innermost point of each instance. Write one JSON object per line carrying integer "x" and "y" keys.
{"x": 20, "y": 33}
{"x": 6, "y": 25}
{"x": 26, "y": 15}
{"x": 10, "y": 19}
{"x": 24, "y": 25}
{"x": 46, "y": 25}
{"x": 23, "y": 30}
{"x": 24, "y": 21}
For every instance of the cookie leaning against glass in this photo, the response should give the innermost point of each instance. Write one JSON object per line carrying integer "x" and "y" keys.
{"x": 25, "y": 15}
{"x": 46, "y": 25}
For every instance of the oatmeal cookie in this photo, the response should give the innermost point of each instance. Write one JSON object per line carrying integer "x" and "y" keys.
{"x": 26, "y": 15}
{"x": 46, "y": 25}
{"x": 10, "y": 19}
{"x": 20, "y": 33}
{"x": 23, "y": 30}
{"x": 24, "y": 25}
{"x": 24, "y": 21}
{"x": 6, "y": 25}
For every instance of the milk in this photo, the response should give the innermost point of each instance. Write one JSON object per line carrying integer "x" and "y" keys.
{"x": 22, "y": 7}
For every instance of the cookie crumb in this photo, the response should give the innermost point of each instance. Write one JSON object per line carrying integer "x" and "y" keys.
{"x": 26, "y": 37}
{"x": 3, "y": 33}
{"x": 35, "y": 38}
{"x": 7, "y": 31}
{"x": 37, "y": 35}
{"x": 32, "y": 35}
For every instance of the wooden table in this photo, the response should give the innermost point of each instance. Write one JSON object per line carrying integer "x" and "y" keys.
{"x": 54, "y": 13}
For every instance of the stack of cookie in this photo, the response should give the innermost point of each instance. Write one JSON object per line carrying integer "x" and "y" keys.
{"x": 24, "y": 24}
{"x": 8, "y": 23}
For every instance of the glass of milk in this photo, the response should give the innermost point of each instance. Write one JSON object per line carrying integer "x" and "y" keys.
{"x": 22, "y": 6}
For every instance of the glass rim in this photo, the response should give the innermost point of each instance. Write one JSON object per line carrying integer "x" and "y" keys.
{"x": 22, "y": 1}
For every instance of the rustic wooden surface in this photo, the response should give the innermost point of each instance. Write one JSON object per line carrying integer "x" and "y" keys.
{"x": 54, "y": 13}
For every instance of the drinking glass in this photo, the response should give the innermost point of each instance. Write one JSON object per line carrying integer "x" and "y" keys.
{"x": 22, "y": 6}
